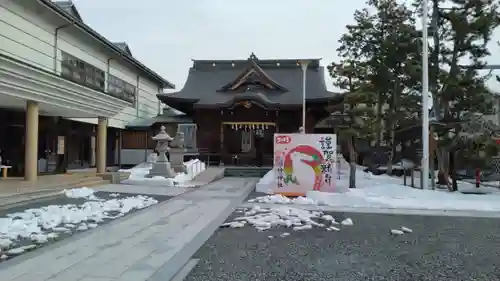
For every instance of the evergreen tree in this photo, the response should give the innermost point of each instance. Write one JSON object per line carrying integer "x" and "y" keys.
{"x": 356, "y": 120}
{"x": 380, "y": 56}
{"x": 462, "y": 32}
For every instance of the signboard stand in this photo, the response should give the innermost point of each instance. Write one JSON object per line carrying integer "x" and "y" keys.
{"x": 305, "y": 162}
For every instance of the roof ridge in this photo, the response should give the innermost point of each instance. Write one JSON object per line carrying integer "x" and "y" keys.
{"x": 244, "y": 75}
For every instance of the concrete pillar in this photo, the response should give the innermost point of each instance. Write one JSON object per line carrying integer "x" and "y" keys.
{"x": 102, "y": 129}
{"x": 31, "y": 142}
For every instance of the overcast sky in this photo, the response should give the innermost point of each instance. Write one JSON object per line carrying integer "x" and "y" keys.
{"x": 166, "y": 34}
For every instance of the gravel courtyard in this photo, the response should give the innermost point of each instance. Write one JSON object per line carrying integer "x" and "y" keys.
{"x": 440, "y": 248}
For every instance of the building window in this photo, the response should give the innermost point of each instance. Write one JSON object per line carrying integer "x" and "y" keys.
{"x": 82, "y": 72}
{"x": 121, "y": 89}
{"x": 189, "y": 131}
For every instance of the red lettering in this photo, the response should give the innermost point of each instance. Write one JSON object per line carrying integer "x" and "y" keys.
{"x": 283, "y": 139}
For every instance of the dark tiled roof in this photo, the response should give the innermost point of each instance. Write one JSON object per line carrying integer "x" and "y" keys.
{"x": 124, "y": 47}
{"x": 69, "y": 8}
{"x": 169, "y": 116}
{"x": 206, "y": 77}
{"x": 252, "y": 68}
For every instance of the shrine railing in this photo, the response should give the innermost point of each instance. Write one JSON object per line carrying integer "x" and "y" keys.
{"x": 194, "y": 167}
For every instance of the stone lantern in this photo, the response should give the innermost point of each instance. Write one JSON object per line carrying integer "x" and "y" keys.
{"x": 162, "y": 166}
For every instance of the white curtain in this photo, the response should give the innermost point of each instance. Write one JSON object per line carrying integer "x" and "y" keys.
{"x": 246, "y": 141}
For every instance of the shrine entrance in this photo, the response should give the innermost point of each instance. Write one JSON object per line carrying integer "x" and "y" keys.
{"x": 248, "y": 143}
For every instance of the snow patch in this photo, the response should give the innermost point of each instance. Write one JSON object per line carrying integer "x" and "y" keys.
{"x": 406, "y": 229}
{"x": 386, "y": 192}
{"x": 5, "y": 243}
{"x": 401, "y": 231}
{"x": 397, "y": 232}
{"x": 138, "y": 175}
{"x": 333, "y": 228}
{"x": 15, "y": 251}
{"x": 39, "y": 225}
{"x": 83, "y": 192}
{"x": 297, "y": 219}
{"x": 347, "y": 221}
{"x": 280, "y": 199}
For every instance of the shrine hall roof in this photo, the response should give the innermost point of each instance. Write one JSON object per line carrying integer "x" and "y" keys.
{"x": 168, "y": 116}
{"x": 209, "y": 80}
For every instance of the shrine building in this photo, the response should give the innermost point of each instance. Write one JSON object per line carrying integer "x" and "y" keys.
{"x": 238, "y": 105}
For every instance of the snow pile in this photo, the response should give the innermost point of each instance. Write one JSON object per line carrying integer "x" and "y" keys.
{"x": 397, "y": 196}
{"x": 385, "y": 192}
{"x": 280, "y": 199}
{"x": 297, "y": 219}
{"x": 40, "y": 225}
{"x": 83, "y": 192}
{"x": 139, "y": 172}
{"x": 267, "y": 183}
{"x": 401, "y": 231}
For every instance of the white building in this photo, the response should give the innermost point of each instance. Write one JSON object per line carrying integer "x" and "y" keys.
{"x": 79, "y": 89}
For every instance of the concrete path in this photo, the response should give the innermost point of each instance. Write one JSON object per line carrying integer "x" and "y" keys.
{"x": 209, "y": 175}
{"x": 153, "y": 244}
{"x": 143, "y": 189}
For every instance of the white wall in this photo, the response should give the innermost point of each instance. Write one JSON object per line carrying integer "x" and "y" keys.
{"x": 27, "y": 33}
{"x": 27, "y": 36}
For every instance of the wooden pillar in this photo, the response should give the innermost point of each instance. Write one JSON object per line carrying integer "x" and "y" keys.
{"x": 222, "y": 150}
{"x": 310, "y": 123}
{"x": 102, "y": 129}
{"x": 31, "y": 142}
{"x": 277, "y": 121}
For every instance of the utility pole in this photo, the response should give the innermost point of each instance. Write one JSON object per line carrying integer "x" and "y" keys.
{"x": 303, "y": 65}
{"x": 425, "y": 98}
{"x": 435, "y": 81}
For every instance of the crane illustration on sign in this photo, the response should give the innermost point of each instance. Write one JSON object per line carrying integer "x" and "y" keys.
{"x": 317, "y": 152}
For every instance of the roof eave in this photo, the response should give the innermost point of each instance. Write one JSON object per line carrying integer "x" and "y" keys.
{"x": 164, "y": 83}
{"x": 173, "y": 97}
{"x": 330, "y": 98}
{"x": 147, "y": 124}
{"x": 180, "y": 104}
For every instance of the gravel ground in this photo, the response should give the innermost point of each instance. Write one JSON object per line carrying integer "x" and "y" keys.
{"x": 63, "y": 200}
{"x": 254, "y": 195}
{"x": 440, "y": 248}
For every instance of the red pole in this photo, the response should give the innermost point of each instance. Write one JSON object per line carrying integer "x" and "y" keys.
{"x": 478, "y": 177}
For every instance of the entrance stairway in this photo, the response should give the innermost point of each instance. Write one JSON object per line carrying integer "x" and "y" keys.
{"x": 48, "y": 184}
{"x": 246, "y": 172}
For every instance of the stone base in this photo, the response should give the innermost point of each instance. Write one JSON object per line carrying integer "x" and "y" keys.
{"x": 161, "y": 169}
{"x": 177, "y": 160}
{"x": 179, "y": 168}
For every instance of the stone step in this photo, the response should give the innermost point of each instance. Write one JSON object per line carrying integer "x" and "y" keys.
{"x": 246, "y": 171}
{"x": 90, "y": 183}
